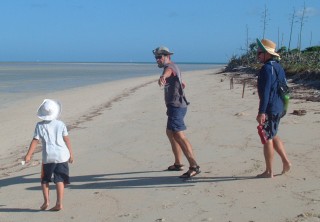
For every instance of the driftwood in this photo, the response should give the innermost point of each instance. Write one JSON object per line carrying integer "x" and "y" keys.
{"x": 244, "y": 81}
{"x": 244, "y": 86}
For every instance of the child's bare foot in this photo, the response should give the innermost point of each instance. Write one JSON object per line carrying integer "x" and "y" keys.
{"x": 265, "y": 174}
{"x": 286, "y": 168}
{"x": 56, "y": 208}
{"x": 44, "y": 206}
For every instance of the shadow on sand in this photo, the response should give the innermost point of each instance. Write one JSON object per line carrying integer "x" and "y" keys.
{"x": 126, "y": 180}
{"x": 17, "y": 210}
{"x": 129, "y": 180}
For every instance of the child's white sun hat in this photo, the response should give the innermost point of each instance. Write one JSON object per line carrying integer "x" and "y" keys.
{"x": 49, "y": 110}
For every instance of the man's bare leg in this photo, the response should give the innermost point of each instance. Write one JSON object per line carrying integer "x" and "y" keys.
{"x": 268, "y": 156}
{"x": 176, "y": 149}
{"x": 187, "y": 150}
{"x": 279, "y": 147}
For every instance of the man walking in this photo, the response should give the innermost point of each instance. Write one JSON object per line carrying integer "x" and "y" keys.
{"x": 271, "y": 105}
{"x": 176, "y": 110}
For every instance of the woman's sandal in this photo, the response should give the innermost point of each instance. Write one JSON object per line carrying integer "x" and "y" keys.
{"x": 191, "y": 172}
{"x": 175, "y": 167}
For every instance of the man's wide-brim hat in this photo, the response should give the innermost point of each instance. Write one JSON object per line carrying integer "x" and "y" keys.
{"x": 49, "y": 110}
{"x": 162, "y": 50}
{"x": 268, "y": 46}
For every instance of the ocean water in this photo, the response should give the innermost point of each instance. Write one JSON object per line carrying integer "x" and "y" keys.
{"x": 19, "y": 80}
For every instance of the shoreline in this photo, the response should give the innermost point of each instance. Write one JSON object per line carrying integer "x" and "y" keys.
{"x": 77, "y": 115}
{"x": 72, "y": 120}
{"x": 23, "y": 80}
{"x": 121, "y": 153}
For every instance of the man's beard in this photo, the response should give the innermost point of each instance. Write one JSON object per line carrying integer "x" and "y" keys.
{"x": 161, "y": 65}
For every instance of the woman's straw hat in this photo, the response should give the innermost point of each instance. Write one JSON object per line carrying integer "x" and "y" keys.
{"x": 268, "y": 46}
{"x": 49, "y": 110}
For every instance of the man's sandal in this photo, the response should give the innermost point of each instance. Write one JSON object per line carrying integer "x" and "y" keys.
{"x": 191, "y": 172}
{"x": 175, "y": 167}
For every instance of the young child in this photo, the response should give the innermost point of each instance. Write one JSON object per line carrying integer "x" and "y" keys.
{"x": 56, "y": 151}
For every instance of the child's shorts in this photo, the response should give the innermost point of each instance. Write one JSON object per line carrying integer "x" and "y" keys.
{"x": 60, "y": 172}
{"x": 271, "y": 125}
{"x": 175, "y": 121}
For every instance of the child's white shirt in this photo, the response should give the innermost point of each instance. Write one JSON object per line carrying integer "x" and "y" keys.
{"x": 54, "y": 149}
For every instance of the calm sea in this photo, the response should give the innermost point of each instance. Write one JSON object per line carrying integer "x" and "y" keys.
{"x": 19, "y": 80}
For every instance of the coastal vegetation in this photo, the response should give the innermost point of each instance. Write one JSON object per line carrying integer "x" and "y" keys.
{"x": 302, "y": 68}
{"x": 305, "y": 63}
{"x": 301, "y": 65}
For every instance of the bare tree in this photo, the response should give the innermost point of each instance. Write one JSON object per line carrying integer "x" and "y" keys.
{"x": 302, "y": 20}
{"x": 265, "y": 20}
{"x": 278, "y": 38}
{"x": 291, "y": 27}
{"x": 247, "y": 42}
{"x": 280, "y": 41}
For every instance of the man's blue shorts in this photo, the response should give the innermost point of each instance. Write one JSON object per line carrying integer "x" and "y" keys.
{"x": 175, "y": 121}
{"x": 60, "y": 172}
{"x": 271, "y": 125}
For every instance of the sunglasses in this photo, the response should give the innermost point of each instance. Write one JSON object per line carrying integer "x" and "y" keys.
{"x": 260, "y": 52}
{"x": 158, "y": 57}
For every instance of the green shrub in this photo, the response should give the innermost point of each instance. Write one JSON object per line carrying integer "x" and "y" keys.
{"x": 294, "y": 61}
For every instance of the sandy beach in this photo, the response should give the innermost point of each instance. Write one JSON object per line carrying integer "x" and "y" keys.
{"x": 117, "y": 130}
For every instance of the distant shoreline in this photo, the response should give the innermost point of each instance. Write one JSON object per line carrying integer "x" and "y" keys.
{"x": 19, "y": 81}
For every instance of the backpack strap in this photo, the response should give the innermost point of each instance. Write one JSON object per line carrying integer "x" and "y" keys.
{"x": 183, "y": 94}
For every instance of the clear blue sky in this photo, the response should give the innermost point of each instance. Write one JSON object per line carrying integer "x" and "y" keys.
{"x": 128, "y": 30}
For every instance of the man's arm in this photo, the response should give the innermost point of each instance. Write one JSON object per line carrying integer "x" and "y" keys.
{"x": 167, "y": 73}
{"x": 264, "y": 88}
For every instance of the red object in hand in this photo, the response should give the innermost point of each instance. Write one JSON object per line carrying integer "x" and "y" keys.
{"x": 262, "y": 134}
